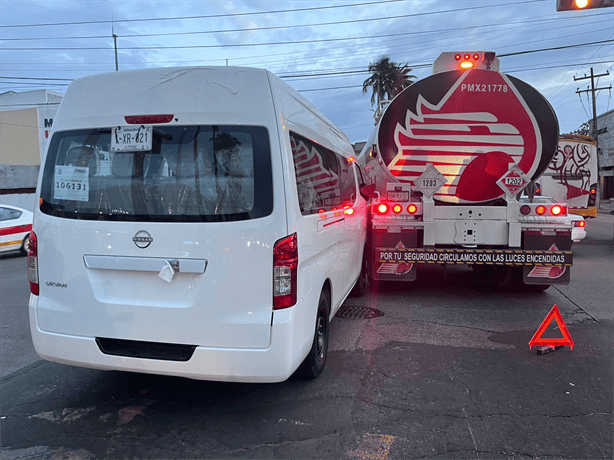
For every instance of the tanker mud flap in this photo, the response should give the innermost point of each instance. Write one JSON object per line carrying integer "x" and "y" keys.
{"x": 390, "y": 258}
{"x": 555, "y": 256}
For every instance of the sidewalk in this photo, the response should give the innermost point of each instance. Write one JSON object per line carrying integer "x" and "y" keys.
{"x": 606, "y": 206}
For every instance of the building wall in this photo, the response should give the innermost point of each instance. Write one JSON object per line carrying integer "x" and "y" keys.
{"x": 606, "y": 154}
{"x": 26, "y": 119}
{"x": 19, "y": 141}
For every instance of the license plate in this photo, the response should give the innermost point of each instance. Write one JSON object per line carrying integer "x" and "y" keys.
{"x": 397, "y": 196}
{"x": 131, "y": 138}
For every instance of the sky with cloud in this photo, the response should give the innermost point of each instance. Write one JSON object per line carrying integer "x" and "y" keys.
{"x": 322, "y": 49}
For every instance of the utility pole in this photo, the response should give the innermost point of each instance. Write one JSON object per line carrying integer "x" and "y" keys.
{"x": 594, "y": 131}
{"x": 115, "y": 43}
{"x": 116, "y": 62}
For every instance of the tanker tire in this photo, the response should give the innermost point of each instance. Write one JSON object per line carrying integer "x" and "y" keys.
{"x": 536, "y": 287}
{"x": 509, "y": 278}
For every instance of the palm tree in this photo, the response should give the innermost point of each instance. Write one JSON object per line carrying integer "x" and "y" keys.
{"x": 402, "y": 79}
{"x": 387, "y": 79}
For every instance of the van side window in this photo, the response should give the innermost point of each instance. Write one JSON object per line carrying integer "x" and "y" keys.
{"x": 324, "y": 179}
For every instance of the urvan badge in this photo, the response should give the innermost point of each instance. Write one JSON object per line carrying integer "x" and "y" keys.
{"x": 142, "y": 239}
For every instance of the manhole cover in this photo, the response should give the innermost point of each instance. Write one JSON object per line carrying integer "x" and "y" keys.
{"x": 358, "y": 312}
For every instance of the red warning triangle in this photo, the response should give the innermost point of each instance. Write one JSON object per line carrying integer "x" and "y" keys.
{"x": 566, "y": 340}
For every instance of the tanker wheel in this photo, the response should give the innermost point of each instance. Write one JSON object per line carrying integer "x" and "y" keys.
{"x": 536, "y": 287}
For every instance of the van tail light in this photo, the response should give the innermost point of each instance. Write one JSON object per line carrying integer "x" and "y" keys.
{"x": 285, "y": 268}
{"x": 148, "y": 119}
{"x": 32, "y": 263}
{"x": 579, "y": 223}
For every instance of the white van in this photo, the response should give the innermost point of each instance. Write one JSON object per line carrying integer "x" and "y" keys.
{"x": 197, "y": 222}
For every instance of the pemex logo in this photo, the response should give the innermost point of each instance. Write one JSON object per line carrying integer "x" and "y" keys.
{"x": 472, "y": 130}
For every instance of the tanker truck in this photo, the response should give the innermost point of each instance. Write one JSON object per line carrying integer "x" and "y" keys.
{"x": 451, "y": 170}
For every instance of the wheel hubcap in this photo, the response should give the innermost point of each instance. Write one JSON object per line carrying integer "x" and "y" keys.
{"x": 320, "y": 337}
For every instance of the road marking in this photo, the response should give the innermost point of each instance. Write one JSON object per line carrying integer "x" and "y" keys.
{"x": 66, "y": 416}
{"x": 128, "y": 413}
{"x": 373, "y": 447}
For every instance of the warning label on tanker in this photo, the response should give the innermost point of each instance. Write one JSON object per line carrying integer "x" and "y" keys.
{"x": 474, "y": 256}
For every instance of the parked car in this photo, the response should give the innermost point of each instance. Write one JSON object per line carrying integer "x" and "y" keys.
{"x": 578, "y": 232}
{"x": 15, "y": 228}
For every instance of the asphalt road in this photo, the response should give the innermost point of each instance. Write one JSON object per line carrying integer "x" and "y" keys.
{"x": 443, "y": 371}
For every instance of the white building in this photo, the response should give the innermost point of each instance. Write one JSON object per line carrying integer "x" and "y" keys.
{"x": 26, "y": 119}
{"x": 605, "y": 121}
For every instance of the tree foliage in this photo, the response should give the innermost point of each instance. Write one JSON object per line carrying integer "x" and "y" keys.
{"x": 584, "y": 129}
{"x": 387, "y": 79}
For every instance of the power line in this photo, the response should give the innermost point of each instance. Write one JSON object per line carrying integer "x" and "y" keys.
{"x": 267, "y": 12}
{"x": 210, "y": 16}
{"x": 510, "y": 71}
{"x": 542, "y": 19}
{"x": 323, "y": 40}
{"x": 556, "y": 48}
{"x": 258, "y": 29}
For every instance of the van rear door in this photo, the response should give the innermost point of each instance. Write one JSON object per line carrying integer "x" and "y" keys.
{"x": 171, "y": 243}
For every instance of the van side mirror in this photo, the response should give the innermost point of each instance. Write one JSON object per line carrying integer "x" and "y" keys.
{"x": 367, "y": 191}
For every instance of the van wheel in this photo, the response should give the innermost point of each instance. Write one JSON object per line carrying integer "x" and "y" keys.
{"x": 360, "y": 288}
{"x": 25, "y": 245}
{"x": 314, "y": 363}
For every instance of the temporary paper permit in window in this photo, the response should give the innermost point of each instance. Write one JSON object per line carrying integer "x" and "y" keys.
{"x": 71, "y": 183}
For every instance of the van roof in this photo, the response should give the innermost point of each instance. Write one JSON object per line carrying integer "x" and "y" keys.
{"x": 195, "y": 95}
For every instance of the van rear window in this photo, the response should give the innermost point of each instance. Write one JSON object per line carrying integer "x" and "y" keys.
{"x": 189, "y": 173}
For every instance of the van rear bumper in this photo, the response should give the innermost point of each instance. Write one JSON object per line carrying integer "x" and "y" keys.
{"x": 274, "y": 364}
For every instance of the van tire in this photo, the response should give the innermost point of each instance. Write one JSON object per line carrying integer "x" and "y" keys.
{"x": 361, "y": 286}
{"x": 315, "y": 361}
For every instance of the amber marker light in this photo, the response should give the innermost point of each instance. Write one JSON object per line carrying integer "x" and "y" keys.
{"x": 541, "y": 210}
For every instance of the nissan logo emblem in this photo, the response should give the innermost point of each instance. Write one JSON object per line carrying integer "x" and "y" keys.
{"x": 142, "y": 239}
